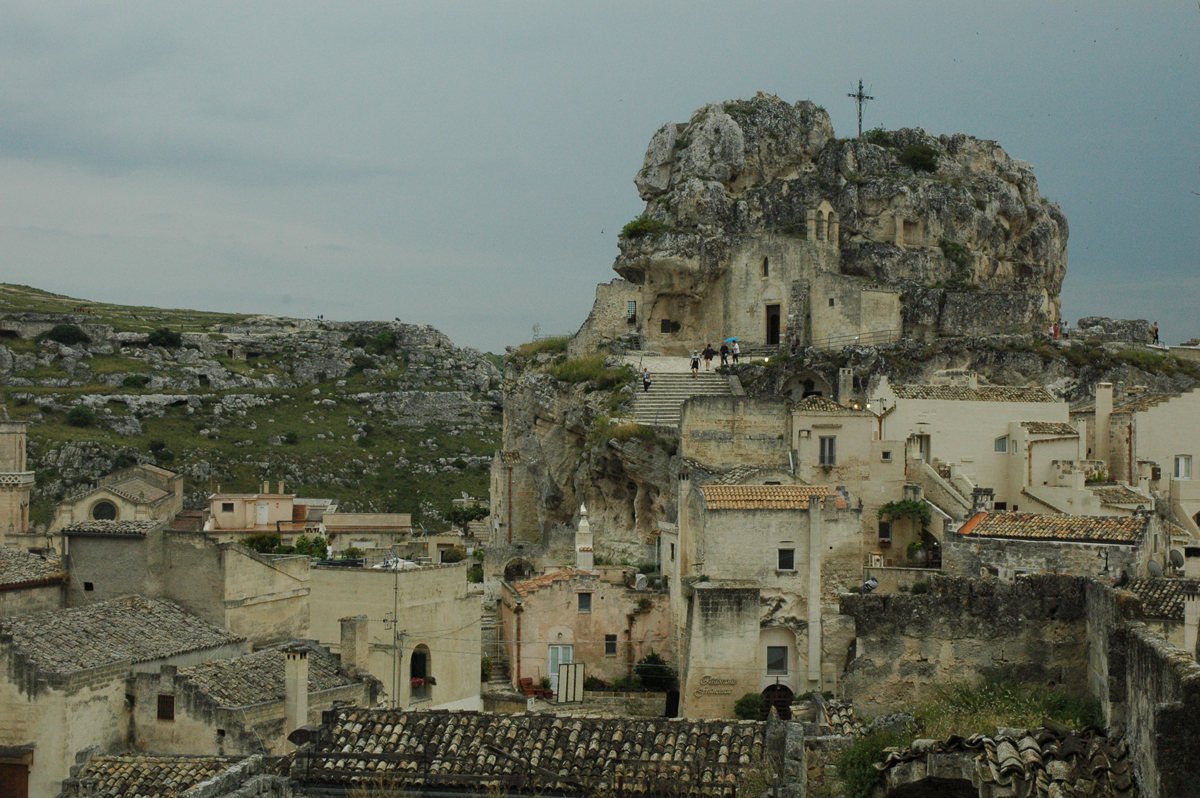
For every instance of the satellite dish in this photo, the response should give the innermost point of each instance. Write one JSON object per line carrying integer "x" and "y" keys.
{"x": 639, "y": 582}
{"x": 1155, "y": 569}
{"x": 1177, "y": 558}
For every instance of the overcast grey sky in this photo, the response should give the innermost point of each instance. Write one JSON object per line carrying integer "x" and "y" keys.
{"x": 469, "y": 165}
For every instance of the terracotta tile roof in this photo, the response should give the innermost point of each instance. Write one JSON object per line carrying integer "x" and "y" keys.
{"x": 984, "y": 393}
{"x": 1031, "y": 526}
{"x": 1038, "y": 764}
{"x": 259, "y": 677}
{"x": 735, "y": 476}
{"x": 145, "y": 776}
{"x": 129, "y": 629}
{"x": 599, "y": 755}
{"x": 21, "y": 567}
{"x": 510, "y": 456}
{"x": 1049, "y": 428}
{"x": 528, "y": 586}
{"x": 821, "y": 404}
{"x": 1119, "y": 494}
{"x": 1162, "y": 598}
{"x": 764, "y": 497}
{"x": 110, "y": 528}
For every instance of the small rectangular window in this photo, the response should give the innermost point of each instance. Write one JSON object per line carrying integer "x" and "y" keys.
{"x": 1183, "y": 466}
{"x": 828, "y": 451}
{"x": 585, "y": 602}
{"x": 1000, "y": 507}
{"x": 886, "y": 457}
{"x": 787, "y": 559}
{"x": 166, "y": 707}
{"x": 227, "y": 507}
{"x": 89, "y": 587}
{"x": 666, "y": 326}
{"x": 610, "y": 645}
{"x": 1001, "y": 445}
{"x": 885, "y": 531}
{"x": 672, "y": 552}
{"x": 777, "y": 659}
{"x": 830, "y": 301}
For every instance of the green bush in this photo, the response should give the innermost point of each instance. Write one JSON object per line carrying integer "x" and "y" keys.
{"x": 135, "y": 381}
{"x": 545, "y": 346}
{"x": 264, "y": 543}
{"x": 475, "y": 574}
{"x": 856, "y": 763}
{"x": 878, "y": 136}
{"x": 643, "y": 226}
{"x": 956, "y": 253}
{"x": 918, "y": 511}
{"x": 545, "y": 682}
{"x": 67, "y": 335}
{"x": 591, "y": 369}
{"x": 920, "y": 157}
{"x": 81, "y": 416}
{"x": 461, "y": 517}
{"x": 485, "y": 668}
{"x": 751, "y": 706}
{"x": 165, "y": 337}
{"x": 656, "y": 674}
{"x": 592, "y": 683}
{"x": 284, "y": 550}
{"x": 352, "y": 553}
{"x": 919, "y": 588}
{"x": 291, "y": 438}
{"x": 456, "y": 554}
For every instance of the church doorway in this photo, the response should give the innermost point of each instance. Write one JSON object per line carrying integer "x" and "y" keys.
{"x": 772, "y": 325}
{"x": 780, "y": 697}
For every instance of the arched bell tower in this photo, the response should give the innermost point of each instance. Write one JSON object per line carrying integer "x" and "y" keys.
{"x": 15, "y": 481}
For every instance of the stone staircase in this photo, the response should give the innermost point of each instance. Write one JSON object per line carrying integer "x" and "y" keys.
{"x": 662, "y": 404}
{"x": 489, "y": 624}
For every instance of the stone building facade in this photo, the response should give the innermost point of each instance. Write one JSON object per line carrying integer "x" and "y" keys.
{"x": 63, "y": 683}
{"x": 754, "y": 589}
{"x": 435, "y": 639}
{"x": 264, "y": 598}
{"x": 140, "y": 493}
{"x": 30, "y": 582}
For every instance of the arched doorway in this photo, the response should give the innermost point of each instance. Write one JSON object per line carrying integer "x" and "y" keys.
{"x": 419, "y": 674}
{"x": 517, "y": 571}
{"x": 104, "y": 511}
{"x": 779, "y": 696}
{"x": 773, "y": 325}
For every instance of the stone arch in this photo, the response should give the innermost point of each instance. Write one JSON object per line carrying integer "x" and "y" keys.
{"x": 420, "y": 672}
{"x": 104, "y": 510}
{"x": 806, "y": 383}
{"x": 517, "y": 569}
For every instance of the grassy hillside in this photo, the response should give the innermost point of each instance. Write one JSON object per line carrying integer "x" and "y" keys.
{"x": 384, "y": 416}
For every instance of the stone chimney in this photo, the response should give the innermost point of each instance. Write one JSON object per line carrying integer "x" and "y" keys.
{"x": 295, "y": 688}
{"x": 1191, "y": 562}
{"x": 281, "y": 487}
{"x": 266, "y": 488}
{"x": 585, "y": 556}
{"x": 1104, "y": 406}
{"x": 356, "y": 645}
{"x": 845, "y": 387}
{"x": 1191, "y": 621}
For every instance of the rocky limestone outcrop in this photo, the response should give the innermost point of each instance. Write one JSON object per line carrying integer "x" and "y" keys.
{"x": 626, "y": 485}
{"x": 976, "y": 224}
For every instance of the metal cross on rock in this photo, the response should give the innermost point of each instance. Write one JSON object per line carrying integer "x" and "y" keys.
{"x": 860, "y": 98}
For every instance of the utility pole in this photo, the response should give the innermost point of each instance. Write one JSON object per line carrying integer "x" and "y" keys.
{"x": 860, "y": 98}
{"x": 391, "y": 621}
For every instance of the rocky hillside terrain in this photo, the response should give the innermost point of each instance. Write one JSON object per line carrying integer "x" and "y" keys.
{"x": 973, "y": 217}
{"x": 384, "y": 416}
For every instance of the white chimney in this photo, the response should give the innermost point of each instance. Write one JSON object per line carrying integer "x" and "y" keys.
{"x": 585, "y": 557}
{"x": 295, "y": 687}
{"x": 1191, "y": 562}
{"x": 1104, "y": 406}
{"x": 281, "y": 487}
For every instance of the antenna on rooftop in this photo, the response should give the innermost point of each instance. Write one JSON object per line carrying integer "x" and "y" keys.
{"x": 860, "y": 98}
